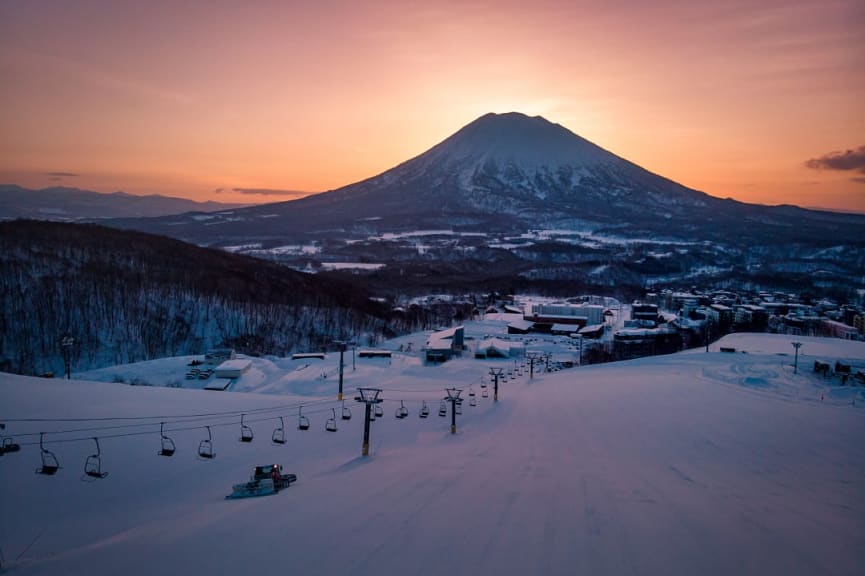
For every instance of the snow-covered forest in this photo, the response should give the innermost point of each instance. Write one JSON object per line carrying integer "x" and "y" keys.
{"x": 127, "y": 296}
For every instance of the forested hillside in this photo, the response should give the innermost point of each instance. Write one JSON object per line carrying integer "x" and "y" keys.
{"x": 129, "y": 296}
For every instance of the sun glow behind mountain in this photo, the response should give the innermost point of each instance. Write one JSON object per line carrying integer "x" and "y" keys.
{"x": 310, "y": 97}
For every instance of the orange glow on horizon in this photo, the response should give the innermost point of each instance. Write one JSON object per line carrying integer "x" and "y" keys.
{"x": 200, "y": 99}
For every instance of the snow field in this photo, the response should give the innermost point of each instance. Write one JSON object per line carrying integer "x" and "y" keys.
{"x": 691, "y": 463}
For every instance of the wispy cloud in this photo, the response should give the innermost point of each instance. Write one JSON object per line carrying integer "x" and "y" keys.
{"x": 848, "y": 160}
{"x": 266, "y": 192}
{"x": 60, "y": 176}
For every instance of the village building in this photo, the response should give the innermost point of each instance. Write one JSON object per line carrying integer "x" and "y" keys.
{"x": 444, "y": 344}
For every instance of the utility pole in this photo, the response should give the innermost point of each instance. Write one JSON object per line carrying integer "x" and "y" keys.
{"x": 708, "y": 332}
{"x": 66, "y": 344}
{"x": 796, "y": 345}
{"x": 495, "y": 373}
{"x": 341, "y": 346}
{"x": 454, "y": 397}
{"x": 581, "y": 351}
{"x": 368, "y": 396}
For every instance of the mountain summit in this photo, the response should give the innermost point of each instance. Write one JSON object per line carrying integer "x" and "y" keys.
{"x": 520, "y": 139}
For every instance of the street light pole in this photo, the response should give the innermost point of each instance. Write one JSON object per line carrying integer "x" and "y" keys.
{"x": 66, "y": 344}
{"x": 341, "y": 345}
{"x": 796, "y": 345}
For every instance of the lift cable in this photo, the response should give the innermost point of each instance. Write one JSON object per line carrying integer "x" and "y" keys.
{"x": 166, "y": 418}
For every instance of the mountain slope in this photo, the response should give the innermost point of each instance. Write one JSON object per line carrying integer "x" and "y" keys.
{"x": 61, "y": 203}
{"x": 710, "y": 464}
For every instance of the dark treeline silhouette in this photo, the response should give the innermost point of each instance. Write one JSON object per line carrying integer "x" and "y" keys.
{"x": 129, "y": 296}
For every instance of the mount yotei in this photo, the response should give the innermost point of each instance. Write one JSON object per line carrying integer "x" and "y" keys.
{"x": 515, "y": 197}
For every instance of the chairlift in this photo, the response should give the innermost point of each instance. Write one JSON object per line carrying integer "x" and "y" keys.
{"x": 378, "y": 411}
{"x": 302, "y": 421}
{"x": 278, "y": 436}
{"x": 93, "y": 464}
{"x": 459, "y": 406}
{"x": 6, "y": 444}
{"x": 50, "y": 465}
{"x": 485, "y": 393}
{"x": 473, "y": 401}
{"x": 167, "y": 444}
{"x": 402, "y": 411}
{"x": 471, "y": 392}
{"x": 9, "y": 446}
{"x": 330, "y": 425}
{"x": 346, "y": 412}
{"x": 246, "y": 434}
{"x": 443, "y": 409}
{"x": 205, "y": 447}
{"x": 424, "y": 410}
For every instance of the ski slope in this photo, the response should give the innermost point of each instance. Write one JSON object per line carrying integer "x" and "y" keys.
{"x": 698, "y": 463}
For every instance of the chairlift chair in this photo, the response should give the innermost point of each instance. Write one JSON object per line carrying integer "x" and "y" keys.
{"x": 278, "y": 436}
{"x": 330, "y": 425}
{"x": 93, "y": 464}
{"x": 402, "y": 411}
{"x": 471, "y": 392}
{"x": 167, "y": 447}
{"x": 443, "y": 409}
{"x": 302, "y": 421}
{"x": 246, "y": 434}
{"x": 50, "y": 465}
{"x": 485, "y": 393}
{"x": 378, "y": 411}
{"x": 205, "y": 447}
{"x": 424, "y": 410}
{"x": 459, "y": 406}
{"x": 473, "y": 401}
{"x": 9, "y": 446}
{"x": 346, "y": 412}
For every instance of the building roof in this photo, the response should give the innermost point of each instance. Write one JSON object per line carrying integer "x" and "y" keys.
{"x": 236, "y": 364}
{"x": 521, "y": 325}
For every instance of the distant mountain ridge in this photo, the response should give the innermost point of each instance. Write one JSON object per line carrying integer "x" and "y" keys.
{"x": 67, "y": 204}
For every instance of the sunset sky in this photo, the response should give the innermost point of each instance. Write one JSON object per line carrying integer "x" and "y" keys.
{"x": 244, "y": 101}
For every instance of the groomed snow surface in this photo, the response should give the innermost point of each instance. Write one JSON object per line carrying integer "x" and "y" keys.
{"x": 696, "y": 463}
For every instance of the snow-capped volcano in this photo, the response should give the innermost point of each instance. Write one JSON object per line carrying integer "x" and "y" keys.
{"x": 504, "y": 177}
{"x": 504, "y": 171}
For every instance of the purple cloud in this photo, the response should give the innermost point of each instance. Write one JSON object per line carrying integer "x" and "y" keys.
{"x": 849, "y": 160}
